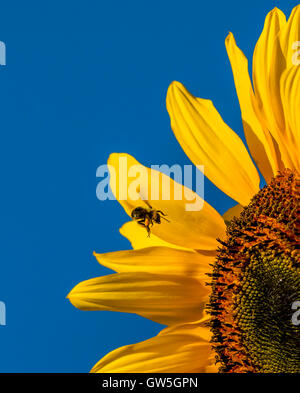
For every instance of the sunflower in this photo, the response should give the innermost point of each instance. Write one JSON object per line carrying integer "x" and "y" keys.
{"x": 223, "y": 285}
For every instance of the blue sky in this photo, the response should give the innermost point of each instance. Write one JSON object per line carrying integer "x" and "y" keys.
{"x": 84, "y": 79}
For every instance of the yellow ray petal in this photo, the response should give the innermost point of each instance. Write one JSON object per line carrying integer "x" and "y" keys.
{"x": 212, "y": 368}
{"x": 208, "y": 141}
{"x": 139, "y": 239}
{"x": 198, "y": 328}
{"x": 289, "y": 35}
{"x": 258, "y": 138}
{"x": 234, "y": 211}
{"x": 263, "y": 65}
{"x": 166, "y": 299}
{"x": 282, "y": 59}
{"x": 290, "y": 94}
{"x": 182, "y": 351}
{"x": 159, "y": 260}
{"x": 190, "y": 229}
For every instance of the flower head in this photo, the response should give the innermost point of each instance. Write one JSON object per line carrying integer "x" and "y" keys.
{"x": 224, "y": 286}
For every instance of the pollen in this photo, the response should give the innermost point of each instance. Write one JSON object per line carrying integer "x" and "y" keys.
{"x": 255, "y": 280}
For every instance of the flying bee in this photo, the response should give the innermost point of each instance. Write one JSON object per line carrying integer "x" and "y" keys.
{"x": 147, "y": 217}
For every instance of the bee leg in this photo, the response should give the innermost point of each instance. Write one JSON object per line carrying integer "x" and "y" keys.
{"x": 148, "y": 230}
{"x": 163, "y": 214}
{"x": 157, "y": 219}
{"x": 147, "y": 225}
{"x": 159, "y": 211}
{"x": 142, "y": 222}
{"x": 144, "y": 225}
{"x": 147, "y": 203}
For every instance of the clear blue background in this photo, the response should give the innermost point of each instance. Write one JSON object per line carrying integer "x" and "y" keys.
{"x": 84, "y": 79}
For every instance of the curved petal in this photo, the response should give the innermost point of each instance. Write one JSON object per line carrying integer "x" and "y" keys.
{"x": 136, "y": 235}
{"x": 282, "y": 59}
{"x": 166, "y": 299}
{"x": 290, "y": 34}
{"x": 198, "y": 328}
{"x": 196, "y": 229}
{"x": 290, "y": 95}
{"x": 208, "y": 141}
{"x": 182, "y": 351}
{"x": 159, "y": 260}
{"x": 259, "y": 139}
{"x": 263, "y": 66}
{"x": 234, "y": 211}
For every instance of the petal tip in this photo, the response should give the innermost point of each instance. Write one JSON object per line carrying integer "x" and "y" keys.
{"x": 229, "y": 38}
{"x": 275, "y": 12}
{"x": 296, "y": 9}
{"x": 112, "y": 157}
{"x": 68, "y": 296}
{"x": 175, "y": 86}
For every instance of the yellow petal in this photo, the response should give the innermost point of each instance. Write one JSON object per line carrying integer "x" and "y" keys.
{"x": 189, "y": 229}
{"x": 234, "y": 211}
{"x": 282, "y": 59}
{"x": 258, "y": 138}
{"x": 289, "y": 34}
{"x": 262, "y": 66}
{"x": 290, "y": 94}
{"x": 182, "y": 351}
{"x": 166, "y": 299}
{"x": 198, "y": 328}
{"x": 159, "y": 260}
{"x": 212, "y": 368}
{"x": 138, "y": 238}
{"x": 208, "y": 141}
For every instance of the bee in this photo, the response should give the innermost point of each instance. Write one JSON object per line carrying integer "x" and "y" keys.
{"x": 147, "y": 217}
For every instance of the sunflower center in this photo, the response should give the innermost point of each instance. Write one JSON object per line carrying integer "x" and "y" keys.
{"x": 256, "y": 283}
